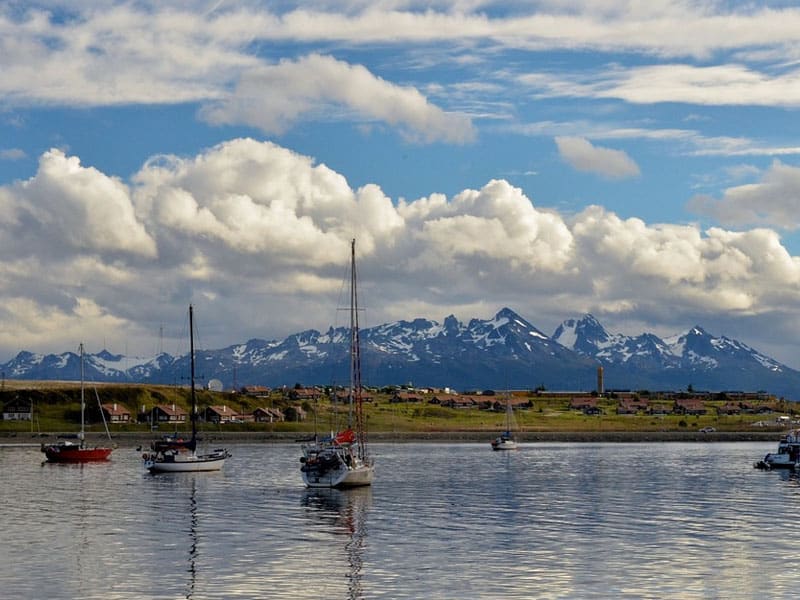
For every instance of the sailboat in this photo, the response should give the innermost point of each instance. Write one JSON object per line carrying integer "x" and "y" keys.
{"x": 184, "y": 458}
{"x": 506, "y": 441}
{"x": 342, "y": 459}
{"x": 65, "y": 451}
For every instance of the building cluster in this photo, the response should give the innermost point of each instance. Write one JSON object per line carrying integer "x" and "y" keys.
{"x": 21, "y": 409}
{"x": 292, "y": 401}
{"x": 619, "y": 402}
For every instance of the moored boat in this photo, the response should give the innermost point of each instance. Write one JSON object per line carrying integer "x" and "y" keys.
{"x": 787, "y": 455}
{"x": 75, "y": 452}
{"x": 68, "y": 451}
{"x": 342, "y": 460}
{"x": 506, "y": 441}
{"x": 172, "y": 456}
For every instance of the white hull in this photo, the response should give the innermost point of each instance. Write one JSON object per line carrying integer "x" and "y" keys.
{"x": 341, "y": 477}
{"x": 187, "y": 463}
{"x": 342, "y": 461}
{"x": 334, "y": 466}
{"x": 787, "y": 456}
{"x": 505, "y": 445}
{"x": 777, "y": 461}
{"x": 175, "y": 459}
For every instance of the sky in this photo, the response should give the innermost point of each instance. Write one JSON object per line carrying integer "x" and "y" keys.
{"x": 639, "y": 161}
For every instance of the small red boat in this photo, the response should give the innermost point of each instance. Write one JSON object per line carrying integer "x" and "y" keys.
{"x": 66, "y": 451}
{"x": 70, "y": 452}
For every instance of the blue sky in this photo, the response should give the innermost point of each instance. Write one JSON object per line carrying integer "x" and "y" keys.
{"x": 638, "y": 161}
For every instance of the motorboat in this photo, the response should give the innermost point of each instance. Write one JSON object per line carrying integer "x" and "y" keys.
{"x": 787, "y": 455}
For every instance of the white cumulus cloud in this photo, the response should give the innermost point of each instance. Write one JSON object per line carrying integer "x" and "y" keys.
{"x": 582, "y": 155}
{"x": 258, "y": 237}
{"x": 273, "y": 97}
{"x": 772, "y": 201}
{"x": 67, "y": 205}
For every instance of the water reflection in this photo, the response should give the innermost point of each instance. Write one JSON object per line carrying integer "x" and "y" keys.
{"x": 552, "y": 521}
{"x": 176, "y": 508}
{"x": 193, "y": 540}
{"x": 344, "y": 513}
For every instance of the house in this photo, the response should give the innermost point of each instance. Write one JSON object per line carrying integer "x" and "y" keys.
{"x": 401, "y": 396}
{"x": 168, "y": 413}
{"x": 258, "y": 391}
{"x": 586, "y": 404}
{"x": 455, "y": 400}
{"x": 220, "y": 414}
{"x": 344, "y": 397}
{"x": 116, "y": 413}
{"x": 18, "y": 410}
{"x": 729, "y": 408}
{"x": 689, "y": 406}
{"x": 294, "y": 413}
{"x": 304, "y": 394}
{"x": 267, "y": 415}
{"x": 516, "y": 404}
{"x": 631, "y": 406}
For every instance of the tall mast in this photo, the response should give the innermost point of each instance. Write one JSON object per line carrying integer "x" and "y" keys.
{"x": 191, "y": 362}
{"x": 355, "y": 358}
{"x": 83, "y": 402}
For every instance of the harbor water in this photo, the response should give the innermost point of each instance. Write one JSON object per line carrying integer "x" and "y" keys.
{"x": 551, "y": 520}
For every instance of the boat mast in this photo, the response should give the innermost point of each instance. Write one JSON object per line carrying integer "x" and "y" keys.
{"x": 355, "y": 359}
{"x": 191, "y": 362}
{"x": 508, "y": 414}
{"x": 83, "y": 402}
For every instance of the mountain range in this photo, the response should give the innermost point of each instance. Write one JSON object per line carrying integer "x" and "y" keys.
{"x": 503, "y": 352}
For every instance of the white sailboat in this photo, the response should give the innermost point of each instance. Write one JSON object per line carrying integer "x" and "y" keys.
{"x": 183, "y": 458}
{"x": 506, "y": 441}
{"x": 342, "y": 460}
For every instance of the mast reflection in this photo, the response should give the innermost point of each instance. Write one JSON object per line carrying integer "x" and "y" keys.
{"x": 345, "y": 512}
{"x": 193, "y": 541}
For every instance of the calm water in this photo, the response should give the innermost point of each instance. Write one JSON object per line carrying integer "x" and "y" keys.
{"x": 441, "y": 521}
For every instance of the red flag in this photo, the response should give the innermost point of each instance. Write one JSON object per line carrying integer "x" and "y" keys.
{"x": 345, "y": 437}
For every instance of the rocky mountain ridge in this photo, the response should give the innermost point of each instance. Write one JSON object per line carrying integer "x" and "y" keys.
{"x": 505, "y": 351}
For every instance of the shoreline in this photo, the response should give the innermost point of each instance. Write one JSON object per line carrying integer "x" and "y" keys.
{"x": 140, "y": 438}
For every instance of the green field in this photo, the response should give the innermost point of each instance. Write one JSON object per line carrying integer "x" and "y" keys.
{"x": 56, "y": 408}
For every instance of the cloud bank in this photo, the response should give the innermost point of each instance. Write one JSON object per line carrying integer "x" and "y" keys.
{"x": 257, "y": 237}
{"x": 774, "y": 201}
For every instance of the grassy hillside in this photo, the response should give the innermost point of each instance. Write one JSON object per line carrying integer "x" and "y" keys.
{"x": 56, "y": 408}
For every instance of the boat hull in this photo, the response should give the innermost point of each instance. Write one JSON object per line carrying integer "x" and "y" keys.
{"x": 504, "y": 442}
{"x": 186, "y": 463}
{"x": 787, "y": 456}
{"x": 342, "y": 477}
{"x": 62, "y": 454}
{"x": 776, "y": 461}
{"x": 334, "y": 466}
{"x": 504, "y": 446}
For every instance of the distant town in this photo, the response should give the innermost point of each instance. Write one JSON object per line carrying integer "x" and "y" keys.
{"x": 55, "y": 407}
